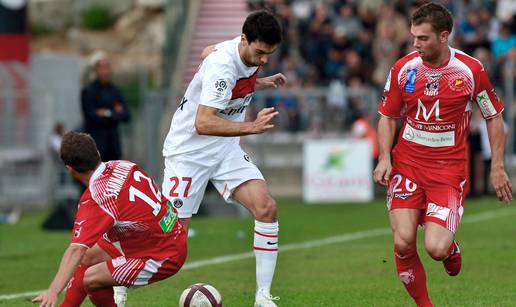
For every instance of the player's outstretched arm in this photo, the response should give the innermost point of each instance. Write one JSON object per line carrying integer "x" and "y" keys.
{"x": 386, "y": 131}
{"x": 499, "y": 179}
{"x": 273, "y": 81}
{"x": 208, "y": 123}
{"x": 69, "y": 263}
{"x": 206, "y": 51}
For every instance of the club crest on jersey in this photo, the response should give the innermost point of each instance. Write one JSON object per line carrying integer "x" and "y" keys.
{"x": 410, "y": 84}
{"x": 457, "y": 84}
{"x": 432, "y": 83}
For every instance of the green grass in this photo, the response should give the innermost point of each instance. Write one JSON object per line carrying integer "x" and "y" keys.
{"x": 356, "y": 273}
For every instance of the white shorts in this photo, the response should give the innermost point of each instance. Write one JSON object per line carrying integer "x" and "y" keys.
{"x": 186, "y": 178}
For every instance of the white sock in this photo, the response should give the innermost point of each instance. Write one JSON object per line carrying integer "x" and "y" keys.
{"x": 266, "y": 252}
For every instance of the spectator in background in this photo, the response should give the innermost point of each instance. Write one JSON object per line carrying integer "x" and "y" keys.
{"x": 503, "y": 43}
{"x": 103, "y": 109}
{"x": 363, "y": 129}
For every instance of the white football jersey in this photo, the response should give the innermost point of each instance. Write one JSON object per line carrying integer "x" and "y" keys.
{"x": 224, "y": 82}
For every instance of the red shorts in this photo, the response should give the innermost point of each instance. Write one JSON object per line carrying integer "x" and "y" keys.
{"x": 137, "y": 272}
{"x": 439, "y": 194}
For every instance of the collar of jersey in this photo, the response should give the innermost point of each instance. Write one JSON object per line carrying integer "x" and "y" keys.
{"x": 96, "y": 173}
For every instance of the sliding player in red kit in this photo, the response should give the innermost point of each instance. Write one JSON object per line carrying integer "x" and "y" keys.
{"x": 434, "y": 89}
{"x": 125, "y": 233}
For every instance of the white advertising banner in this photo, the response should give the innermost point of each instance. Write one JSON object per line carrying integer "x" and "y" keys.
{"x": 337, "y": 170}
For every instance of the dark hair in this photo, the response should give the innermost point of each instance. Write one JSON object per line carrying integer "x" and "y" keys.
{"x": 262, "y": 26}
{"x": 436, "y": 15}
{"x": 79, "y": 151}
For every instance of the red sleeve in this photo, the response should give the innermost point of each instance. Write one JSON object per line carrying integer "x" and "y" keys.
{"x": 390, "y": 103}
{"x": 486, "y": 97}
{"x": 91, "y": 222}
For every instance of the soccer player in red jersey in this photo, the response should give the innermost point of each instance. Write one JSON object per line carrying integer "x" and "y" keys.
{"x": 434, "y": 89}
{"x": 125, "y": 234}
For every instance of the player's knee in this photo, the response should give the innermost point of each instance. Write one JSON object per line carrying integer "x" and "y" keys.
{"x": 437, "y": 250}
{"x": 90, "y": 284}
{"x": 87, "y": 260}
{"x": 403, "y": 245}
{"x": 267, "y": 211}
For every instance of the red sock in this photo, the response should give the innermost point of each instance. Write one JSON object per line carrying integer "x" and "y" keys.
{"x": 413, "y": 276}
{"x": 102, "y": 297}
{"x": 75, "y": 292}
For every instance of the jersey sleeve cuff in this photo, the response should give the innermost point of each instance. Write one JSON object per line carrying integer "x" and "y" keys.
{"x": 80, "y": 244}
{"x": 495, "y": 115}
{"x": 389, "y": 116}
{"x": 213, "y": 105}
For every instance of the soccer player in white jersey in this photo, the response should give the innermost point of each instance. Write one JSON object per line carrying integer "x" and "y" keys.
{"x": 203, "y": 142}
{"x": 433, "y": 89}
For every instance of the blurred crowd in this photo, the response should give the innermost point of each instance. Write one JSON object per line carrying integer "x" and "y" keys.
{"x": 348, "y": 47}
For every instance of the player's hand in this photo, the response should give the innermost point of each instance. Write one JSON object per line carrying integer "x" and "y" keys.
{"x": 273, "y": 81}
{"x": 118, "y": 108}
{"x": 46, "y": 299}
{"x": 501, "y": 184}
{"x": 382, "y": 172}
{"x": 263, "y": 120}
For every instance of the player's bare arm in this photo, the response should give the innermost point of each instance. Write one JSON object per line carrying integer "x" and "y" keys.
{"x": 69, "y": 263}
{"x": 206, "y": 51}
{"x": 208, "y": 123}
{"x": 499, "y": 179}
{"x": 386, "y": 131}
{"x": 273, "y": 81}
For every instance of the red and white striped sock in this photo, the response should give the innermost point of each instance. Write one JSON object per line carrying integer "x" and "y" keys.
{"x": 266, "y": 253}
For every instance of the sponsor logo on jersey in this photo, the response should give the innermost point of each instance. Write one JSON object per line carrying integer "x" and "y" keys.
{"x": 182, "y": 103}
{"x": 485, "y": 104}
{"x": 436, "y": 211}
{"x": 178, "y": 203}
{"x": 430, "y": 139}
{"x": 457, "y": 84}
{"x": 220, "y": 86}
{"x": 118, "y": 261}
{"x": 246, "y": 157}
{"x": 403, "y": 195}
{"x": 233, "y": 111}
{"x": 426, "y": 115}
{"x": 410, "y": 84}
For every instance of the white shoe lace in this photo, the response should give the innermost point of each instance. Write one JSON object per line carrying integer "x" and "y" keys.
{"x": 266, "y": 300}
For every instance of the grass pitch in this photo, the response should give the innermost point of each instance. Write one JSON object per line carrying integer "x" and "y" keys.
{"x": 349, "y": 270}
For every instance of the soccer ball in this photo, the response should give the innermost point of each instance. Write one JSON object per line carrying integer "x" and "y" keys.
{"x": 200, "y": 295}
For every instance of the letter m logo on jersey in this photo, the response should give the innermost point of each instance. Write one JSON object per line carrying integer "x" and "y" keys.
{"x": 426, "y": 115}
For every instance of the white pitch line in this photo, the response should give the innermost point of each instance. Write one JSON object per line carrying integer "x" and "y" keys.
{"x": 484, "y": 216}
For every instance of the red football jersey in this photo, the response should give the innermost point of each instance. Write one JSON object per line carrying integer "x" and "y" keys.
{"x": 436, "y": 104}
{"x": 123, "y": 204}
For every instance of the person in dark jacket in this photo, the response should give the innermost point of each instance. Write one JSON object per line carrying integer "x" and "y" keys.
{"x": 103, "y": 108}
